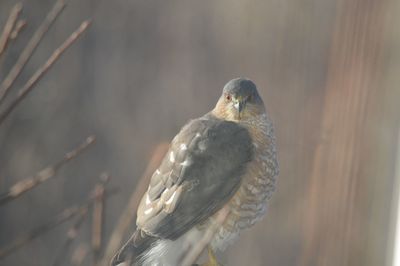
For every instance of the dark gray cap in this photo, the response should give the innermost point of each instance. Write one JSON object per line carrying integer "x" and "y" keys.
{"x": 240, "y": 86}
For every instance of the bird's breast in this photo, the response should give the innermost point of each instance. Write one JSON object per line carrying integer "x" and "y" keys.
{"x": 249, "y": 203}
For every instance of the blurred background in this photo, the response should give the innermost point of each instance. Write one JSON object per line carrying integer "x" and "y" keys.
{"x": 328, "y": 72}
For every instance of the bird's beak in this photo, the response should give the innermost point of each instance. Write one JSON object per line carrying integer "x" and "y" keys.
{"x": 239, "y": 104}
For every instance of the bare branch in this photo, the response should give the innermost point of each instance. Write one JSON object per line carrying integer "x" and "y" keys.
{"x": 194, "y": 252}
{"x": 98, "y": 217}
{"x": 71, "y": 236}
{"x": 64, "y": 216}
{"x": 29, "y": 85}
{"x": 30, "y": 48}
{"x": 12, "y": 18}
{"x": 47, "y": 173}
{"x": 24, "y": 239}
{"x": 79, "y": 255}
{"x": 17, "y": 29}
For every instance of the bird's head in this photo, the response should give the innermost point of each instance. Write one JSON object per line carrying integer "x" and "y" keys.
{"x": 239, "y": 101}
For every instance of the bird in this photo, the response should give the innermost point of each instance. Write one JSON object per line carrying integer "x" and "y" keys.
{"x": 223, "y": 160}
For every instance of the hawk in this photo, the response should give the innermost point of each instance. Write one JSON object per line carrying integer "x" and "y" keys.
{"x": 224, "y": 159}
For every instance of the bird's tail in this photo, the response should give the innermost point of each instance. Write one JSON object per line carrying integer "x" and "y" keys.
{"x": 138, "y": 243}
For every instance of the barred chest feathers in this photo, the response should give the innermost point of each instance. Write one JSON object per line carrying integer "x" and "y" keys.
{"x": 249, "y": 204}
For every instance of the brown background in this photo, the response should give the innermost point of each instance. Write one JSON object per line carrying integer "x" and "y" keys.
{"x": 145, "y": 67}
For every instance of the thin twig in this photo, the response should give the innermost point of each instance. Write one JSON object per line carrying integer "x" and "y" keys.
{"x": 47, "y": 173}
{"x": 79, "y": 255}
{"x": 129, "y": 214}
{"x": 30, "y": 48}
{"x": 71, "y": 236}
{"x": 194, "y": 252}
{"x": 59, "y": 219}
{"x": 29, "y": 85}
{"x": 98, "y": 215}
{"x": 12, "y": 18}
{"x": 20, "y": 25}
{"x": 64, "y": 216}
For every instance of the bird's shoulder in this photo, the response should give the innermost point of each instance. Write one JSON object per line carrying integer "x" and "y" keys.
{"x": 212, "y": 126}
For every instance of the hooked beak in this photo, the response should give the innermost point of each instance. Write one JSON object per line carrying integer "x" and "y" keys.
{"x": 239, "y": 104}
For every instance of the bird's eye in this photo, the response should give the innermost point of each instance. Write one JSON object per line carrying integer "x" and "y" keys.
{"x": 228, "y": 97}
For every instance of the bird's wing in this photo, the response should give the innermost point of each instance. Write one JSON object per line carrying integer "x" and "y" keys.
{"x": 199, "y": 174}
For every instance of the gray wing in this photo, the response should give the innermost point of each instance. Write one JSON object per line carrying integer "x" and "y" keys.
{"x": 199, "y": 174}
